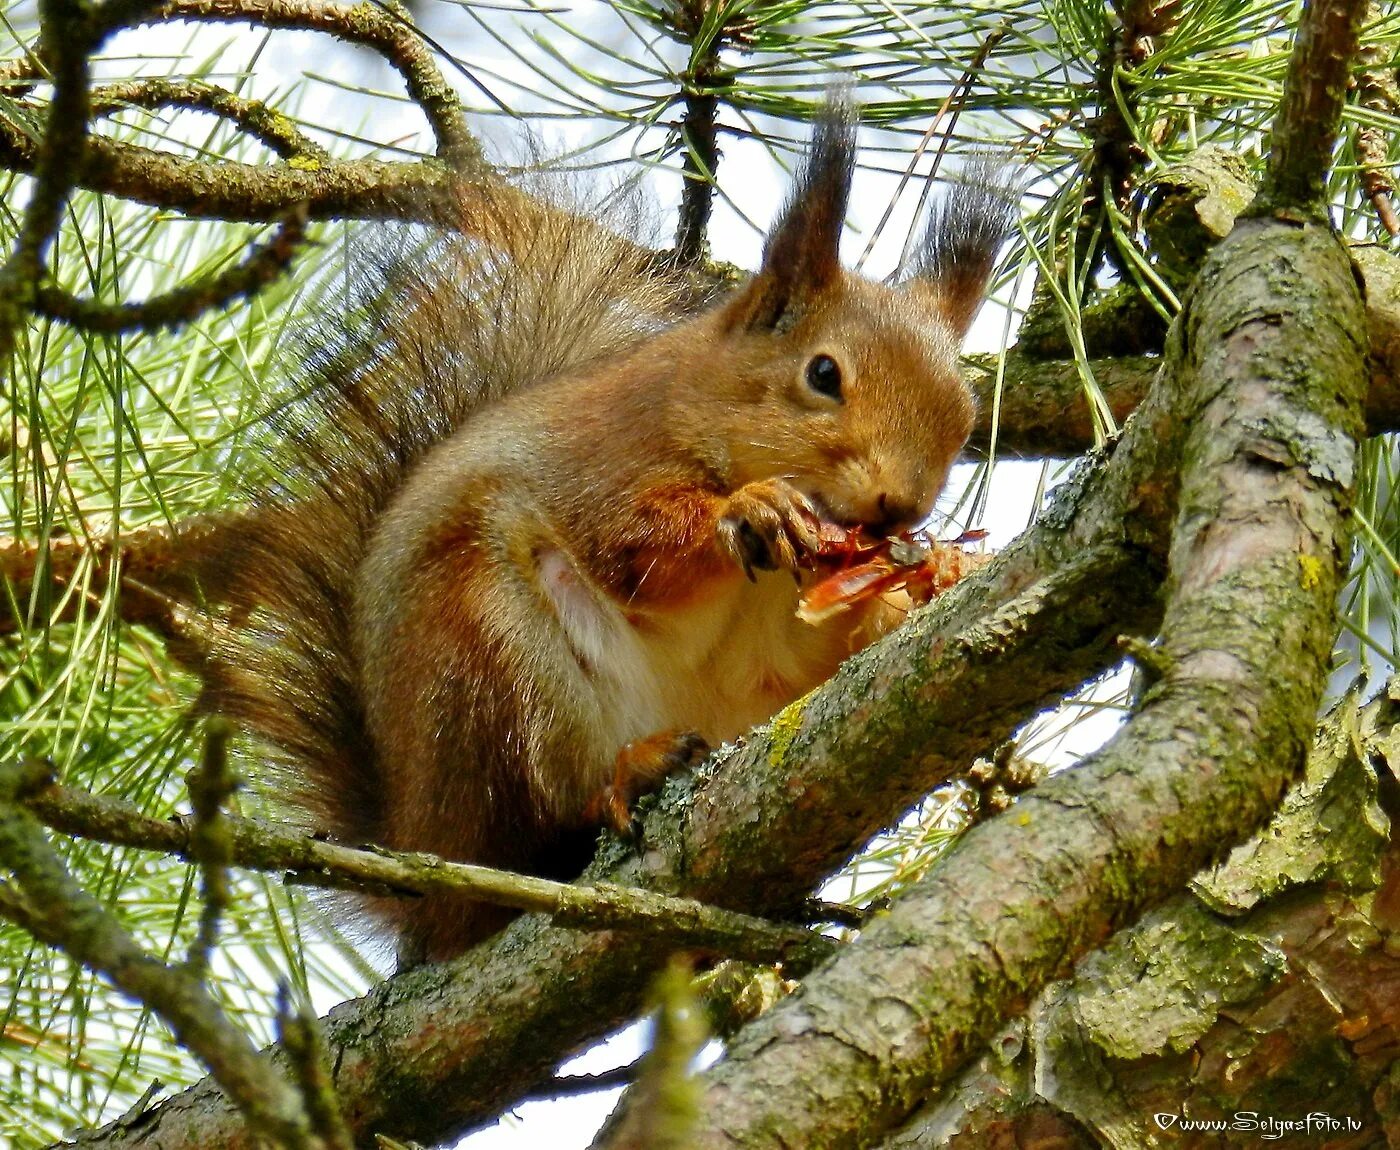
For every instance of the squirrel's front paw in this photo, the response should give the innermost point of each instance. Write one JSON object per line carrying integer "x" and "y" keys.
{"x": 769, "y": 524}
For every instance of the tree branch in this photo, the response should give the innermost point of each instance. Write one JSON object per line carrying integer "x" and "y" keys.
{"x": 677, "y": 922}
{"x": 699, "y": 131}
{"x": 1314, "y": 93}
{"x": 1043, "y": 411}
{"x": 1116, "y": 154}
{"x": 65, "y": 45}
{"x": 383, "y": 26}
{"x": 765, "y": 823}
{"x": 1228, "y": 999}
{"x": 265, "y": 263}
{"x": 1377, "y": 91}
{"x": 1269, "y": 368}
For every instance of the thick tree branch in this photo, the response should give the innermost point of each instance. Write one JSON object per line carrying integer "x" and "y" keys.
{"x": 509, "y": 1027}
{"x": 1269, "y": 371}
{"x": 1228, "y": 1000}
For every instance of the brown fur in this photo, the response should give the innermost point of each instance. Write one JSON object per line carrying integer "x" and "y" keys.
{"x": 517, "y": 504}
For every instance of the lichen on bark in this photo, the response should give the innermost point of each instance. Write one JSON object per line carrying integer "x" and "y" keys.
{"x": 1281, "y": 1002}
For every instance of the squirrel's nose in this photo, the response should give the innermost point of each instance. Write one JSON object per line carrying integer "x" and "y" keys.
{"x": 895, "y": 515}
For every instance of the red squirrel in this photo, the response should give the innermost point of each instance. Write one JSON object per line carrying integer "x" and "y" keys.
{"x": 548, "y": 540}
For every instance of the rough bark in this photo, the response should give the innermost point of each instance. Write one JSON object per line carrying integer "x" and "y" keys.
{"x": 1042, "y": 410}
{"x": 1266, "y": 1001}
{"x": 428, "y": 1054}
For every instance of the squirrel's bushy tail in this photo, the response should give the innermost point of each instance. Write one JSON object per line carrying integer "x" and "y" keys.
{"x": 431, "y": 329}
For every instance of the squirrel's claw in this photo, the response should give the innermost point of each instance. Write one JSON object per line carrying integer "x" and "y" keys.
{"x": 769, "y": 525}
{"x": 639, "y": 768}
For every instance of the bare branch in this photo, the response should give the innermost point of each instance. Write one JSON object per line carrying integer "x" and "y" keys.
{"x": 299, "y": 1032}
{"x": 1258, "y": 555}
{"x": 383, "y": 26}
{"x": 1310, "y": 113}
{"x": 265, "y": 263}
{"x": 314, "y": 862}
{"x": 211, "y": 783}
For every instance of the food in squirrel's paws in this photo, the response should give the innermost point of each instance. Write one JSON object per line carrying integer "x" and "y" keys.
{"x": 867, "y": 566}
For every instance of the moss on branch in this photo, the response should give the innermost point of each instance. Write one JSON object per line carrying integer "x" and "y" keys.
{"x": 1228, "y": 999}
{"x": 1267, "y": 373}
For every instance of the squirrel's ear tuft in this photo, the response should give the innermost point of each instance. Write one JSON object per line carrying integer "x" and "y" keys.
{"x": 802, "y": 255}
{"x": 953, "y": 263}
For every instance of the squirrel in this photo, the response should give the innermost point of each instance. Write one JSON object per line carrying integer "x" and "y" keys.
{"x": 533, "y": 539}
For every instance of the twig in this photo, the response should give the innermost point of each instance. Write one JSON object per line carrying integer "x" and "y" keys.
{"x": 383, "y": 26}
{"x": 210, "y": 785}
{"x": 699, "y": 138}
{"x": 264, "y": 264}
{"x": 313, "y": 862}
{"x": 253, "y": 116}
{"x": 110, "y": 15}
{"x": 1376, "y": 89}
{"x": 572, "y": 1085}
{"x": 701, "y": 147}
{"x": 1152, "y": 662}
{"x": 816, "y": 910}
{"x": 660, "y": 1110}
{"x": 1116, "y": 154}
{"x": 299, "y": 1032}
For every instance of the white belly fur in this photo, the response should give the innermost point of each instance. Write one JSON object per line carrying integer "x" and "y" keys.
{"x": 717, "y": 666}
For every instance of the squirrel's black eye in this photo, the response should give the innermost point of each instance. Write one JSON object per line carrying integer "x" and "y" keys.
{"x": 824, "y": 376}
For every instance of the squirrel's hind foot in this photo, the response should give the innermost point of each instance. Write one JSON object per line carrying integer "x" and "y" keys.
{"x": 638, "y": 770}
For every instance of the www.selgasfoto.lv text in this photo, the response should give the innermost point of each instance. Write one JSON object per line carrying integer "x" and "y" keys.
{"x": 1266, "y": 1126}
